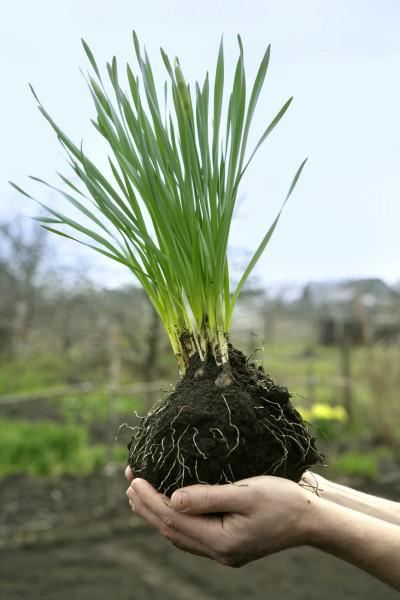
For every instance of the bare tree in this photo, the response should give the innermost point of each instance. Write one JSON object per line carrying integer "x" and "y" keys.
{"x": 22, "y": 253}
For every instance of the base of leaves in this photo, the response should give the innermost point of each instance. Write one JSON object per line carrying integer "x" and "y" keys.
{"x": 201, "y": 433}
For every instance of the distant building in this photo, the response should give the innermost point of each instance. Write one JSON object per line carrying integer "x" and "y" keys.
{"x": 359, "y": 310}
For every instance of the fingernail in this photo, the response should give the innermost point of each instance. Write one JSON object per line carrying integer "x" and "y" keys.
{"x": 182, "y": 501}
{"x": 129, "y": 491}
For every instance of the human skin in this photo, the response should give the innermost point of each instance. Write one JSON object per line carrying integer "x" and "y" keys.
{"x": 259, "y": 516}
{"x": 374, "y": 506}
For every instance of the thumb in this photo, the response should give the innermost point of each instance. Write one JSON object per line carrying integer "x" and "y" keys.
{"x": 205, "y": 499}
{"x": 129, "y": 473}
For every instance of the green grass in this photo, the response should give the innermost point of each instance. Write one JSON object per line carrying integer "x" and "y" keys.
{"x": 47, "y": 449}
{"x": 355, "y": 462}
{"x": 79, "y": 408}
{"x": 32, "y": 374}
{"x": 364, "y": 464}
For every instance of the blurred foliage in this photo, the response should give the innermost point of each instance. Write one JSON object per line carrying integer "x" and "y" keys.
{"x": 45, "y": 448}
{"x": 326, "y": 419}
{"x": 33, "y": 373}
{"x": 365, "y": 464}
{"x": 94, "y": 407}
{"x": 319, "y": 412}
{"x": 358, "y": 464}
{"x": 57, "y": 331}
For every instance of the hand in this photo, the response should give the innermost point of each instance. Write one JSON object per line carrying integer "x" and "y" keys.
{"x": 256, "y": 517}
{"x": 380, "y": 508}
{"x": 128, "y": 473}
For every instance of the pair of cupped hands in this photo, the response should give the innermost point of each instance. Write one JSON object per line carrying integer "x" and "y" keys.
{"x": 233, "y": 523}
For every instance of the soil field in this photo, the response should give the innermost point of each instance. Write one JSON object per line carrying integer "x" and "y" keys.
{"x": 75, "y": 539}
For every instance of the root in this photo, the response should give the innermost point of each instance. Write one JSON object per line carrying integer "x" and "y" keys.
{"x": 165, "y": 498}
{"x": 167, "y": 446}
{"x": 125, "y": 426}
{"x": 225, "y": 477}
{"x": 313, "y": 487}
{"x": 197, "y": 474}
{"x": 166, "y": 477}
{"x": 230, "y": 468}
{"x": 232, "y": 425}
{"x": 285, "y": 432}
{"x": 195, "y": 444}
{"x": 275, "y": 466}
{"x": 181, "y": 459}
{"x": 222, "y": 438}
{"x": 250, "y": 356}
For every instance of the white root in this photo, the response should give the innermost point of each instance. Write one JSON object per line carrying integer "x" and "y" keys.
{"x": 232, "y": 425}
{"x": 167, "y": 453}
{"x": 167, "y": 475}
{"x": 197, "y": 473}
{"x": 222, "y": 437}
{"x": 230, "y": 468}
{"x": 224, "y": 475}
{"x": 196, "y": 445}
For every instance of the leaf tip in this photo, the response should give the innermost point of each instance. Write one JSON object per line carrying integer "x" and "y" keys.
{"x": 33, "y": 92}
{"x": 239, "y": 39}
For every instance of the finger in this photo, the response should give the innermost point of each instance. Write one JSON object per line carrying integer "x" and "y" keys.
{"x": 206, "y": 530}
{"x": 205, "y": 499}
{"x": 167, "y": 527}
{"x": 187, "y": 547}
{"x": 128, "y": 473}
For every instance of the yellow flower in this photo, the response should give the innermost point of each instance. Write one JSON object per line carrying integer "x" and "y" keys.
{"x": 326, "y": 412}
{"x": 305, "y": 413}
{"x": 323, "y": 412}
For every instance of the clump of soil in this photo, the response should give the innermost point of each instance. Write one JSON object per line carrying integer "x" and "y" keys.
{"x": 202, "y": 433}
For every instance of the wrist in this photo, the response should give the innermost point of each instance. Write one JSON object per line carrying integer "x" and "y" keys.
{"x": 318, "y": 486}
{"x": 313, "y": 519}
{"x": 329, "y": 524}
{"x": 308, "y": 519}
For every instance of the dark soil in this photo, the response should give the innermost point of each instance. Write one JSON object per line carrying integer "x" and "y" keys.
{"x": 204, "y": 433}
{"x": 72, "y": 539}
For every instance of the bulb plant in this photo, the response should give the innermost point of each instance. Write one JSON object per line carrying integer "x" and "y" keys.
{"x": 164, "y": 210}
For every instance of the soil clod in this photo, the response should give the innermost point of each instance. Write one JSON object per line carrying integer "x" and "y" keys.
{"x": 205, "y": 433}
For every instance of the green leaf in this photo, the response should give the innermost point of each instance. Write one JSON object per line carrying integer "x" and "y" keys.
{"x": 264, "y": 241}
{"x": 269, "y": 130}
{"x": 90, "y": 56}
{"x": 165, "y": 208}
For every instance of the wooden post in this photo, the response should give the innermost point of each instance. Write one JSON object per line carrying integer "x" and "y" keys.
{"x": 114, "y": 375}
{"x": 345, "y": 366}
{"x": 151, "y": 356}
{"x": 309, "y": 355}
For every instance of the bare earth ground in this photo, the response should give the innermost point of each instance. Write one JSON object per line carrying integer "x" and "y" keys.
{"x": 76, "y": 539}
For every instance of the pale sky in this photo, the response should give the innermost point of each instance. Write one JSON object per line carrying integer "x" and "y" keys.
{"x": 340, "y": 60}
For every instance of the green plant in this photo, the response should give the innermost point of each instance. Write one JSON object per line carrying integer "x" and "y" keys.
{"x": 357, "y": 463}
{"x": 175, "y": 175}
{"x": 165, "y": 212}
{"x": 95, "y": 407}
{"x": 45, "y": 448}
{"x": 327, "y": 419}
{"x": 32, "y": 373}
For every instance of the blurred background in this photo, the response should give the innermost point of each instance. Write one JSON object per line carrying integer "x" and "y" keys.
{"x": 81, "y": 349}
